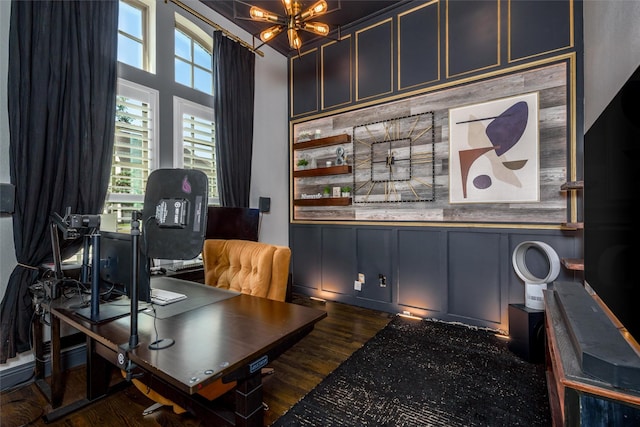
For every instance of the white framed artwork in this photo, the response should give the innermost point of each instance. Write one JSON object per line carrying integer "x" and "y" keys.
{"x": 494, "y": 151}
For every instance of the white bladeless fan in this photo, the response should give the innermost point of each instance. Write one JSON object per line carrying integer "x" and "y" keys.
{"x": 533, "y": 286}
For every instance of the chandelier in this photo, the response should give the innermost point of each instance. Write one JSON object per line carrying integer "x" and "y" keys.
{"x": 295, "y": 20}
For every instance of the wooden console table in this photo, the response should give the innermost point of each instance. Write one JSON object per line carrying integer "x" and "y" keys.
{"x": 578, "y": 399}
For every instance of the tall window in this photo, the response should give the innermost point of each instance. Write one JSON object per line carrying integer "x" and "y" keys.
{"x": 134, "y": 151}
{"x": 132, "y": 33}
{"x": 195, "y": 141}
{"x": 193, "y": 60}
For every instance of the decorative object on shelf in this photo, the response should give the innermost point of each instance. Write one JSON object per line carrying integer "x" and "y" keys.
{"x": 328, "y": 163}
{"x": 340, "y": 156}
{"x": 393, "y": 160}
{"x": 345, "y": 191}
{"x": 317, "y": 134}
{"x": 326, "y": 191}
{"x": 304, "y": 136}
{"x": 296, "y": 19}
{"x": 310, "y": 196}
{"x": 494, "y": 151}
{"x": 336, "y": 191}
{"x": 302, "y": 163}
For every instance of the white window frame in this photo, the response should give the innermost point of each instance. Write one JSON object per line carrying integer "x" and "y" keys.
{"x": 197, "y": 35}
{"x": 152, "y": 98}
{"x": 148, "y": 8}
{"x": 180, "y": 108}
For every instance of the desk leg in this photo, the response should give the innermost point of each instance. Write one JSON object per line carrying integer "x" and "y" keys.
{"x": 249, "y": 410}
{"x": 57, "y": 386}
{"x": 98, "y": 373}
{"x": 38, "y": 346}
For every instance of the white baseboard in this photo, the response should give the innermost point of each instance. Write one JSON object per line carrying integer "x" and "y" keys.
{"x": 23, "y": 373}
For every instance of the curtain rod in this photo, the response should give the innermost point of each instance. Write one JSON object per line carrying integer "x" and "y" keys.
{"x": 216, "y": 26}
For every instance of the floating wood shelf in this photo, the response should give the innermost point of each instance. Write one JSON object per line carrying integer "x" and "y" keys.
{"x": 325, "y": 201}
{"x": 323, "y": 142}
{"x": 575, "y": 264}
{"x": 330, "y": 170}
{"x": 572, "y": 185}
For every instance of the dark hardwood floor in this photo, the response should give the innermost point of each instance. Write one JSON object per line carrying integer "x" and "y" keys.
{"x": 297, "y": 371}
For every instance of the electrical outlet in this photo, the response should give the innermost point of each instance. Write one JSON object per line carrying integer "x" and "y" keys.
{"x": 361, "y": 277}
{"x": 357, "y": 285}
{"x": 382, "y": 279}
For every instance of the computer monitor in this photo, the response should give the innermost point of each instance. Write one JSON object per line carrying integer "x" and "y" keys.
{"x": 115, "y": 266}
{"x": 232, "y": 223}
{"x": 114, "y": 271}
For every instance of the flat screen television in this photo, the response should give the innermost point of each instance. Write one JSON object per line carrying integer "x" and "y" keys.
{"x": 232, "y": 223}
{"x": 611, "y": 231}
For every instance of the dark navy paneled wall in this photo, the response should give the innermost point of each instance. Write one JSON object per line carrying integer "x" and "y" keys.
{"x": 473, "y": 31}
{"x": 419, "y": 46}
{"x": 424, "y": 44}
{"x": 455, "y": 273}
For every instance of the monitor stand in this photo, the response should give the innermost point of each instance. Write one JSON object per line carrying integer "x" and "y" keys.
{"x": 107, "y": 312}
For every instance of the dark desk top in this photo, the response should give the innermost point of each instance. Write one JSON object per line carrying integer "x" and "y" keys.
{"x": 224, "y": 338}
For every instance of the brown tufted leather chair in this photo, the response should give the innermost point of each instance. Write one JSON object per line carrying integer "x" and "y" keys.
{"x": 254, "y": 268}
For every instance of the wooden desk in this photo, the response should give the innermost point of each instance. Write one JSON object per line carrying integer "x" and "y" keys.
{"x": 229, "y": 339}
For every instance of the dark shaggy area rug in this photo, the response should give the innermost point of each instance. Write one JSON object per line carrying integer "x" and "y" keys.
{"x": 428, "y": 373}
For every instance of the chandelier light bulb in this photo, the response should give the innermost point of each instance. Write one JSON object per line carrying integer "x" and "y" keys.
{"x": 294, "y": 39}
{"x": 319, "y": 28}
{"x": 295, "y": 20}
{"x": 288, "y": 6}
{"x": 318, "y": 8}
{"x": 263, "y": 15}
{"x": 270, "y": 33}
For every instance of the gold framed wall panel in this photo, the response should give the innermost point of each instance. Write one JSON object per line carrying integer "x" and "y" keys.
{"x": 570, "y": 45}
{"x": 359, "y": 68}
{"x": 448, "y": 72}
{"x": 346, "y": 39}
{"x": 404, "y": 15}
{"x": 292, "y": 91}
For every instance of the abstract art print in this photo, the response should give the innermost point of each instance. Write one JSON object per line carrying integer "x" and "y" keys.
{"x": 493, "y": 151}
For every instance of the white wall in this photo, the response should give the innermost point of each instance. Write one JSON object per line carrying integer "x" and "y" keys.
{"x": 611, "y": 51}
{"x": 7, "y": 253}
{"x": 270, "y": 168}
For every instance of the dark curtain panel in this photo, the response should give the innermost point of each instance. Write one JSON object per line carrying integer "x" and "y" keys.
{"x": 61, "y": 102}
{"x": 233, "y": 93}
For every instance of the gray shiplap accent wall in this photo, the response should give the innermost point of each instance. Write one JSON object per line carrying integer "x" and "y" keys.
{"x": 555, "y": 133}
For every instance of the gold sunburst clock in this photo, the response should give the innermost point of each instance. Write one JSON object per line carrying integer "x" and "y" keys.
{"x": 393, "y": 160}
